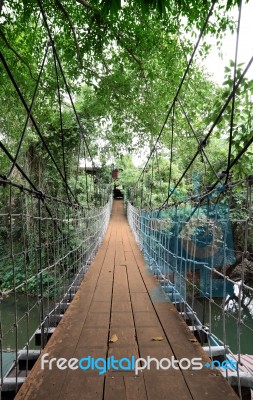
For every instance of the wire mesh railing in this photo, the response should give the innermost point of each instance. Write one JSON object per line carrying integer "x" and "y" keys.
{"x": 47, "y": 246}
{"x": 202, "y": 254}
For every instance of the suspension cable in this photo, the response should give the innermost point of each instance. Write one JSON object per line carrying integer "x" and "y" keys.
{"x": 64, "y": 78}
{"x": 197, "y": 139}
{"x": 234, "y": 81}
{"x": 32, "y": 119}
{"x": 29, "y": 113}
{"x": 180, "y": 85}
{"x": 61, "y": 123}
{"x": 171, "y": 145}
{"x": 211, "y": 130}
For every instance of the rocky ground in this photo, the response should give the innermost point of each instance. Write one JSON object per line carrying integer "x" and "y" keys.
{"x": 236, "y": 274}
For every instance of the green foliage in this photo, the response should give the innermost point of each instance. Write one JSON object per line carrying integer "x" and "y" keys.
{"x": 242, "y": 121}
{"x": 123, "y": 62}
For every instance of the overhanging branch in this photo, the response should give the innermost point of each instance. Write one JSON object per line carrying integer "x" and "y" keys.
{"x": 8, "y": 45}
{"x": 118, "y": 37}
{"x": 66, "y": 15}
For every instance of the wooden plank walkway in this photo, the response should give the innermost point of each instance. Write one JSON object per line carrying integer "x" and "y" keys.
{"x": 115, "y": 297}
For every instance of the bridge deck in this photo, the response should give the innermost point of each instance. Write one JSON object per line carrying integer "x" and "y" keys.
{"x": 116, "y": 297}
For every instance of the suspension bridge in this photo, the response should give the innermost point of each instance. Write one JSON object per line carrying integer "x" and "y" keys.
{"x": 120, "y": 298}
{"x": 105, "y": 299}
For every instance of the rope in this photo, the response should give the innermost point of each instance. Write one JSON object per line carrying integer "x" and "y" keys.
{"x": 204, "y": 141}
{"x": 33, "y": 121}
{"x": 158, "y": 170}
{"x": 233, "y": 97}
{"x": 29, "y": 113}
{"x": 200, "y": 144}
{"x": 64, "y": 78}
{"x": 180, "y": 85}
{"x": 151, "y": 183}
{"x": 166, "y": 260}
{"x": 171, "y": 145}
{"x": 61, "y": 125}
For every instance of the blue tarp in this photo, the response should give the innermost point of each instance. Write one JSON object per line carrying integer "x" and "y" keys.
{"x": 182, "y": 239}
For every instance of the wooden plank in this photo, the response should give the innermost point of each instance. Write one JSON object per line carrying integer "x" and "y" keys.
{"x": 135, "y": 388}
{"x": 145, "y": 319}
{"x": 135, "y": 280}
{"x": 115, "y": 388}
{"x": 43, "y": 384}
{"x": 125, "y": 336}
{"x": 145, "y": 336}
{"x": 141, "y": 302}
{"x": 92, "y": 337}
{"x": 158, "y": 387}
{"x": 122, "y": 323}
{"x": 182, "y": 342}
{"x": 93, "y": 341}
{"x": 81, "y": 388}
{"x": 119, "y": 255}
{"x": 86, "y": 352}
{"x": 150, "y": 282}
{"x": 123, "y": 351}
{"x": 246, "y": 362}
{"x": 116, "y": 296}
{"x": 119, "y": 319}
{"x": 158, "y": 352}
{"x": 122, "y": 306}
{"x": 126, "y": 351}
{"x": 97, "y": 320}
{"x": 148, "y": 327}
{"x": 102, "y": 292}
{"x": 100, "y": 306}
{"x": 213, "y": 383}
{"x": 126, "y": 245}
{"x": 120, "y": 284}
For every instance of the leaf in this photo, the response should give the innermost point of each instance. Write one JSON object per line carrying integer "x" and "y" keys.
{"x": 157, "y": 338}
{"x": 113, "y": 338}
